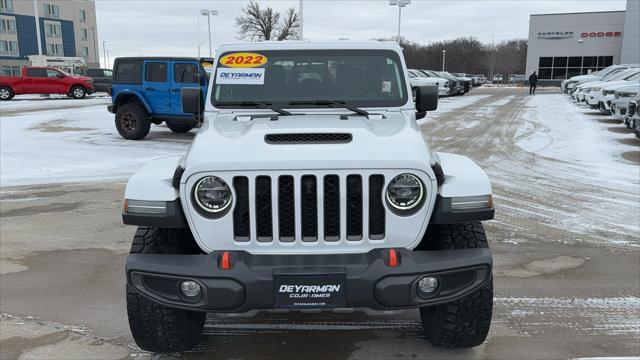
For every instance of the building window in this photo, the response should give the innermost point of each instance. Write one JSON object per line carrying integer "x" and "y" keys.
{"x": 10, "y": 70}
{"x": 53, "y": 29}
{"x": 84, "y": 34}
{"x": 51, "y": 11}
{"x": 7, "y": 26}
{"x": 563, "y": 67}
{"x": 55, "y": 49}
{"x": 85, "y": 52}
{"x": 6, "y": 6}
{"x": 8, "y": 48}
{"x": 83, "y": 16}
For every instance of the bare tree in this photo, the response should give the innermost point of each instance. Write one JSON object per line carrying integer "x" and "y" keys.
{"x": 257, "y": 24}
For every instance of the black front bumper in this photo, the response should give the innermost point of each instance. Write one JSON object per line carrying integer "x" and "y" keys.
{"x": 370, "y": 280}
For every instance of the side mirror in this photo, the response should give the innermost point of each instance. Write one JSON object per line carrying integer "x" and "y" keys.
{"x": 426, "y": 99}
{"x": 192, "y": 101}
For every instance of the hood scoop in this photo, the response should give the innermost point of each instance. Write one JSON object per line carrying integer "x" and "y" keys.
{"x": 308, "y": 138}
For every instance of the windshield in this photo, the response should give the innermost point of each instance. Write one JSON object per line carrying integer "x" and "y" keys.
{"x": 363, "y": 78}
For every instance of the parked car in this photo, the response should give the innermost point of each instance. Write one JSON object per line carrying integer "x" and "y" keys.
{"x": 497, "y": 78}
{"x": 292, "y": 200}
{"x": 466, "y": 81}
{"x": 456, "y": 84}
{"x": 621, "y": 100}
{"x": 634, "y": 117}
{"x": 101, "y": 78}
{"x": 45, "y": 80}
{"x": 609, "y": 94}
{"x": 602, "y": 91}
{"x": 446, "y": 83}
{"x": 632, "y": 110}
{"x": 479, "y": 79}
{"x": 418, "y": 78}
{"x": 570, "y": 85}
{"x": 146, "y": 90}
{"x": 580, "y": 92}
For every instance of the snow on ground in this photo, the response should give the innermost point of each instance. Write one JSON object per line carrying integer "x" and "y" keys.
{"x": 42, "y": 102}
{"x": 450, "y": 104}
{"x": 60, "y": 144}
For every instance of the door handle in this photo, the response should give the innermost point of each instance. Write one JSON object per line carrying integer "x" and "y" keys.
{"x": 149, "y": 89}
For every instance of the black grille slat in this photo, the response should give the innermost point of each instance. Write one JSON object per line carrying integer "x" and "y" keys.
{"x": 354, "y": 207}
{"x": 309, "y": 207}
{"x": 286, "y": 208}
{"x": 264, "y": 219}
{"x": 331, "y": 208}
{"x": 241, "y": 216}
{"x": 456, "y": 281}
{"x": 376, "y": 208}
{"x": 162, "y": 286}
{"x": 308, "y": 138}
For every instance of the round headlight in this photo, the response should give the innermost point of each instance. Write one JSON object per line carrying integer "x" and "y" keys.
{"x": 212, "y": 194}
{"x": 405, "y": 192}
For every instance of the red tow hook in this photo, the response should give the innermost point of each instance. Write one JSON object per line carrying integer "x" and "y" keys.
{"x": 393, "y": 258}
{"x": 225, "y": 262}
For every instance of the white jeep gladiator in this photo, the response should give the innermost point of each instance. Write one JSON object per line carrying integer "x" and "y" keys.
{"x": 309, "y": 186}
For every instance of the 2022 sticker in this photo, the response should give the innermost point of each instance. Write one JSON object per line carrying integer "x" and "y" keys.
{"x": 243, "y": 60}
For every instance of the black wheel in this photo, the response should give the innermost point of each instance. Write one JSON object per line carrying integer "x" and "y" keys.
{"x": 6, "y": 93}
{"x": 132, "y": 121}
{"x": 78, "y": 92}
{"x": 154, "y": 327}
{"x": 465, "y": 322}
{"x": 177, "y": 127}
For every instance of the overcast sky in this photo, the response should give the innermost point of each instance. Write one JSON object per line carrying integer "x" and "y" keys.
{"x": 163, "y": 27}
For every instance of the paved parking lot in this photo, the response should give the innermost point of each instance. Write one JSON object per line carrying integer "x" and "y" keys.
{"x": 565, "y": 238}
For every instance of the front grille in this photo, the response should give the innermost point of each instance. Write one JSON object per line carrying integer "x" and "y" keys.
{"x": 309, "y": 138}
{"x": 331, "y": 208}
{"x": 456, "y": 281}
{"x": 632, "y": 108}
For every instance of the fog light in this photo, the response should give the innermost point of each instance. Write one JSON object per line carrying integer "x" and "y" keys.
{"x": 427, "y": 286}
{"x": 190, "y": 289}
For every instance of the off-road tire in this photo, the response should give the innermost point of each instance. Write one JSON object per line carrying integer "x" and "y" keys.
{"x": 132, "y": 121}
{"x": 180, "y": 128}
{"x": 154, "y": 327}
{"x": 465, "y": 322}
{"x": 6, "y": 93}
{"x": 78, "y": 92}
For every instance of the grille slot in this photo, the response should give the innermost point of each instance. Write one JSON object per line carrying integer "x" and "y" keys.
{"x": 309, "y": 207}
{"x": 286, "y": 208}
{"x": 264, "y": 224}
{"x": 164, "y": 287}
{"x": 309, "y": 138}
{"x": 376, "y": 208}
{"x": 241, "y": 223}
{"x": 354, "y": 207}
{"x": 331, "y": 208}
{"x": 456, "y": 281}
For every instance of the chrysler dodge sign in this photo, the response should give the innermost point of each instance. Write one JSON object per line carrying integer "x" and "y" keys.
{"x": 555, "y": 35}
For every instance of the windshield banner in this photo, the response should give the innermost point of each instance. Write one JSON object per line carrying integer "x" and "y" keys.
{"x": 235, "y": 76}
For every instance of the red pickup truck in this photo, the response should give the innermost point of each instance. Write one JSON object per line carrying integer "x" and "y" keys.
{"x": 45, "y": 80}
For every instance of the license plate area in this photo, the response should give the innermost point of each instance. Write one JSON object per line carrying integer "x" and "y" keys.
{"x": 309, "y": 291}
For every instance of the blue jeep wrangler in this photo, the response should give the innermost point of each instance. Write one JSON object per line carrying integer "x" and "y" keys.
{"x": 146, "y": 90}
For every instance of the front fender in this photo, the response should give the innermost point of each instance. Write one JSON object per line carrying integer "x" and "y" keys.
{"x": 465, "y": 195}
{"x": 152, "y": 186}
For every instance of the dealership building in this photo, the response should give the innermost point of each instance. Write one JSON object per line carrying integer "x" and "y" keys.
{"x": 67, "y": 28}
{"x": 564, "y": 45}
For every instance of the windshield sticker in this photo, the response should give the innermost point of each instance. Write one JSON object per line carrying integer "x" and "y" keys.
{"x": 240, "y": 76}
{"x": 386, "y": 86}
{"x": 243, "y": 60}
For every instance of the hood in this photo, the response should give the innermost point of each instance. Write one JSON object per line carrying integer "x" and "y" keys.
{"x": 233, "y": 142}
{"x": 590, "y": 84}
{"x": 613, "y": 85}
{"x": 582, "y": 77}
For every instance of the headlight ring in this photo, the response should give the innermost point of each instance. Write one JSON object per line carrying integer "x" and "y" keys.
{"x": 212, "y": 196}
{"x": 405, "y": 194}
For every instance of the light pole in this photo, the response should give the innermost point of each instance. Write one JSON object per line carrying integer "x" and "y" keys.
{"x": 301, "y": 22}
{"x": 104, "y": 52}
{"x": 208, "y": 13}
{"x": 444, "y": 57}
{"x": 400, "y": 4}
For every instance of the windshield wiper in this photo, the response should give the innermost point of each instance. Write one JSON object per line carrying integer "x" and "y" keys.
{"x": 333, "y": 104}
{"x": 258, "y": 104}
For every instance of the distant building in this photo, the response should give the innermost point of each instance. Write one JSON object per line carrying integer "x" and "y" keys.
{"x": 563, "y": 45}
{"x": 67, "y": 28}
